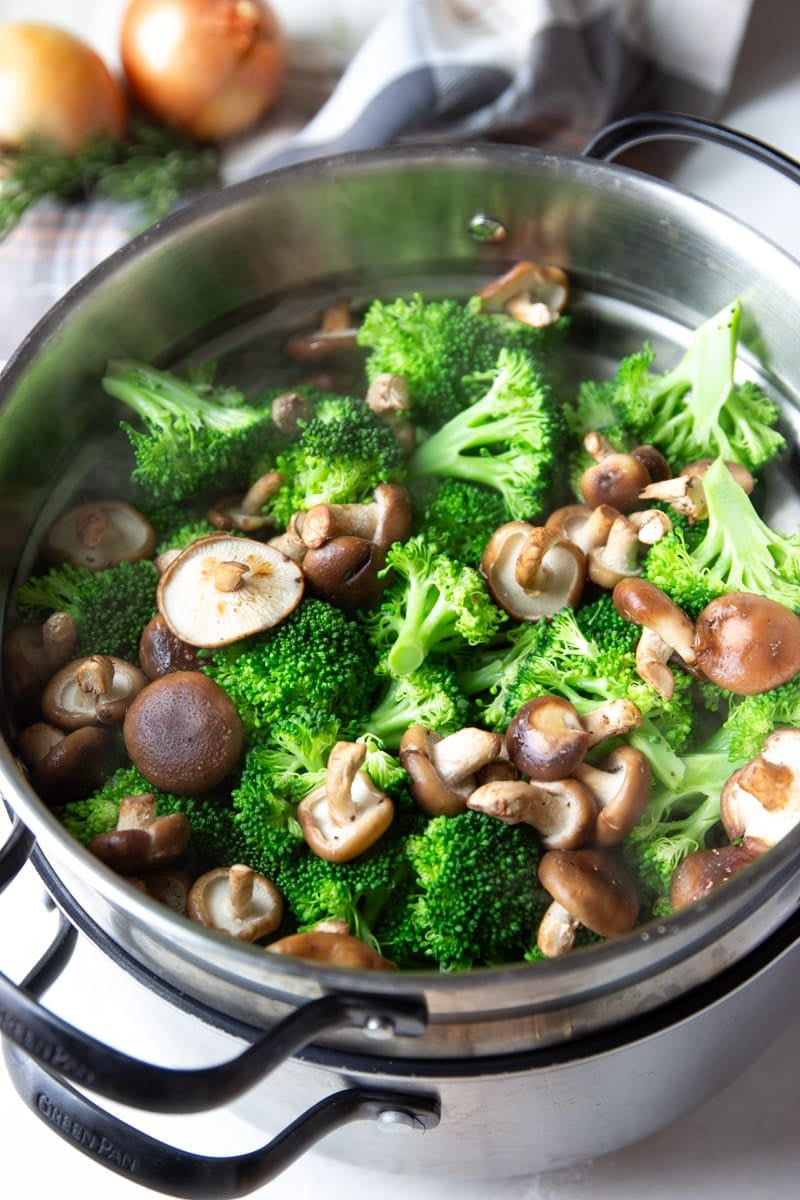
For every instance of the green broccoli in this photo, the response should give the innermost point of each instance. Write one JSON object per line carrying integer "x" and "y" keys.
{"x": 479, "y": 899}
{"x": 435, "y": 344}
{"x": 457, "y": 517}
{"x": 697, "y": 410}
{"x": 197, "y": 438}
{"x": 428, "y": 696}
{"x": 432, "y": 603}
{"x": 509, "y": 439}
{"x": 751, "y": 719}
{"x": 343, "y": 452}
{"x": 737, "y": 552}
{"x": 317, "y": 658}
{"x": 110, "y": 607}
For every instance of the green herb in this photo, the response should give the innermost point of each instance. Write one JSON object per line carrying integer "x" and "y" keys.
{"x": 152, "y": 166}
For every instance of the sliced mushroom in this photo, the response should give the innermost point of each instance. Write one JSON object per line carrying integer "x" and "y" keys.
{"x": 245, "y": 513}
{"x": 616, "y": 478}
{"x": 620, "y": 784}
{"x": 183, "y": 733}
{"x": 666, "y": 630}
{"x": 99, "y": 535}
{"x": 160, "y": 652}
{"x": 236, "y": 900}
{"x": 97, "y": 690}
{"x": 562, "y": 811}
{"x": 760, "y": 803}
{"x": 747, "y": 644}
{"x": 335, "y": 334}
{"x": 442, "y": 770}
{"x": 346, "y": 814}
{"x": 384, "y": 520}
{"x": 585, "y": 526}
{"x": 532, "y": 571}
{"x": 222, "y": 588}
{"x": 331, "y": 949}
{"x": 142, "y": 840}
{"x": 533, "y": 293}
{"x": 546, "y": 738}
{"x": 589, "y": 887}
{"x": 703, "y": 871}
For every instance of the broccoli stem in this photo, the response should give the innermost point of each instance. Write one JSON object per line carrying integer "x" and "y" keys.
{"x": 156, "y": 394}
{"x": 706, "y": 373}
{"x": 421, "y": 626}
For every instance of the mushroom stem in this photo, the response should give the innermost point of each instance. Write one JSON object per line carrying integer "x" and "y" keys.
{"x": 462, "y": 753}
{"x": 618, "y": 558}
{"x": 344, "y": 763}
{"x": 240, "y": 889}
{"x": 611, "y": 719}
{"x": 91, "y": 525}
{"x": 230, "y": 576}
{"x": 259, "y": 492}
{"x": 388, "y": 393}
{"x": 95, "y": 674}
{"x": 557, "y": 929}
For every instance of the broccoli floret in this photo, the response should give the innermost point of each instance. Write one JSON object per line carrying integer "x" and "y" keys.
{"x": 737, "y": 552}
{"x": 457, "y": 517}
{"x": 197, "y": 438}
{"x": 480, "y": 902}
{"x": 751, "y": 719}
{"x": 697, "y": 410}
{"x": 343, "y": 452}
{"x": 110, "y": 607}
{"x": 434, "y": 345}
{"x": 429, "y": 696}
{"x": 317, "y": 658}
{"x": 507, "y": 440}
{"x": 215, "y": 840}
{"x": 178, "y": 537}
{"x": 433, "y": 603}
{"x": 678, "y": 820}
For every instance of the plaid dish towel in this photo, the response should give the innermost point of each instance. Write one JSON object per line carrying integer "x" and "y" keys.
{"x": 541, "y": 72}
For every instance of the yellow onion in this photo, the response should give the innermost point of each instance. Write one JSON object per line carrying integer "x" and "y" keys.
{"x": 55, "y": 88}
{"x": 209, "y": 68}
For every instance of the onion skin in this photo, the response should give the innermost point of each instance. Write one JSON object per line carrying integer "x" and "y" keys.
{"x": 209, "y": 68}
{"x": 55, "y": 88}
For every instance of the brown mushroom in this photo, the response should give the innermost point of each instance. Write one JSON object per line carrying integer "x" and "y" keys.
{"x": 532, "y": 571}
{"x": 96, "y": 690}
{"x": 32, "y": 653}
{"x": 615, "y": 478}
{"x": 388, "y": 393}
{"x": 142, "y": 840}
{"x": 703, "y": 871}
{"x": 747, "y": 644}
{"x": 331, "y": 949}
{"x": 442, "y": 770}
{"x": 685, "y": 493}
{"x": 245, "y": 513}
{"x": 221, "y": 589}
{"x": 533, "y": 293}
{"x": 160, "y": 652}
{"x": 620, "y": 784}
{"x": 183, "y": 733}
{"x": 653, "y": 460}
{"x": 666, "y": 631}
{"x": 99, "y": 535}
{"x": 760, "y": 803}
{"x": 347, "y": 813}
{"x": 383, "y": 520}
{"x": 585, "y": 526}
{"x": 546, "y": 738}
{"x": 618, "y": 558}
{"x": 236, "y": 900}
{"x": 589, "y": 887}
{"x": 346, "y": 571}
{"x": 562, "y": 811}
{"x": 290, "y": 410}
{"x": 611, "y": 719}
{"x": 65, "y": 766}
{"x": 335, "y": 334}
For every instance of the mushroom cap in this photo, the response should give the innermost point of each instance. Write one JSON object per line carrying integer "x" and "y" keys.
{"x": 236, "y": 900}
{"x": 747, "y": 644}
{"x": 562, "y": 811}
{"x": 546, "y": 739}
{"x": 161, "y": 652}
{"x": 221, "y": 589}
{"x": 68, "y": 704}
{"x": 543, "y": 282}
{"x": 760, "y": 803}
{"x": 642, "y": 603}
{"x": 441, "y": 770}
{"x": 617, "y": 479}
{"x": 183, "y": 733}
{"x": 620, "y": 783}
{"x": 593, "y": 886}
{"x": 703, "y": 871}
{"x": 334, "y": 949}
{"x": 532, "y": 571}
{"x": 345, "y": 571}
{"x": 98, "y": 535}
{"x": 131, "y": 850}
{"x": 75, "y": 765}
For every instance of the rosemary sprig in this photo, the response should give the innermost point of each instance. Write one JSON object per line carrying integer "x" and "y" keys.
{"x": 152, "y": 166}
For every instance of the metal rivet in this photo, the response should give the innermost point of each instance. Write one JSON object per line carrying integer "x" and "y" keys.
{"x": 379, "y": 1028}
{"x": 395, "y": 1121}
{"x": 487, "y": 229}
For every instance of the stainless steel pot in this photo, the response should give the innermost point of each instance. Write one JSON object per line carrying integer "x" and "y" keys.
{"x": 496, "y": 1052}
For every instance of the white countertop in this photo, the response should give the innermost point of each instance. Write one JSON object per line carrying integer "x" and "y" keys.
{"x": 742, "y": 1143}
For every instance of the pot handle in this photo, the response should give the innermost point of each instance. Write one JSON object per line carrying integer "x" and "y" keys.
{"x": 174, "y": 1172}
{"x": 628, "y": 132}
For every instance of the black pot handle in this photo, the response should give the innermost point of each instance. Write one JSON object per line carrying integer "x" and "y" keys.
{"x": 174, "y": 1172}
{"x": 14, "y": 852}
{"x": 654, "y": 126}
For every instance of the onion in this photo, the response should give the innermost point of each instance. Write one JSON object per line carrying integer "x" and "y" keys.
{"x": 55, "y": 88}
{"x": 210, "y": 68}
